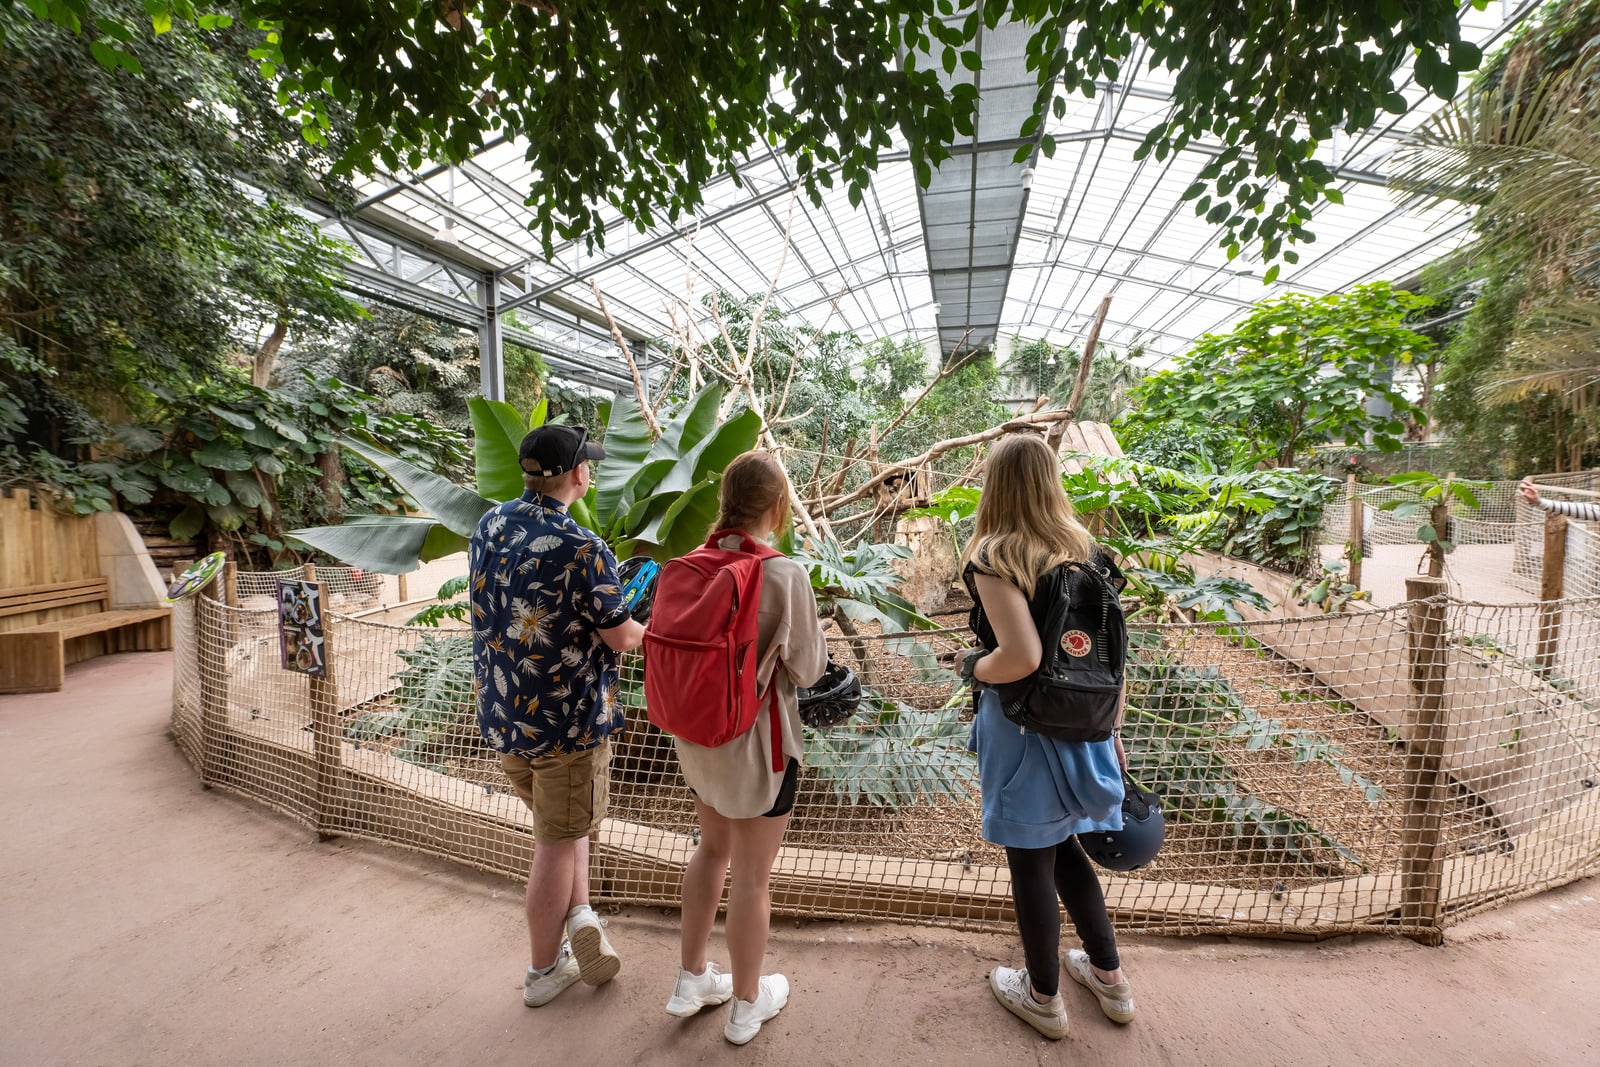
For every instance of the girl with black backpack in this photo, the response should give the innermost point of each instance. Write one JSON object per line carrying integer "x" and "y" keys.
{"x": 1039, "y": 792}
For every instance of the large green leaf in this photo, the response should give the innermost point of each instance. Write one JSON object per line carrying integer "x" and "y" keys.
{"x": 455, "y": 507}
{"x": 627, "y": 444}
{"x": 689, "y": 424}
{"x": 498, "y": 430}
{"x": 441, "y": 542}
{"x": 715, "y": 451}
{"x": 582, "y": 511}
{"x": 391, "y": 544}
{"x": 647, "y": 481}
{"x": 684, "y": 525}
{"x": 649, "y": 510}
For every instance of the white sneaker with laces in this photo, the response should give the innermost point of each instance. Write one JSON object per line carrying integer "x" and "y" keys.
{"x": 696, "y": 991}
{"x": 540, "y": 989}
{"x": 1116, "y": 1001}
{"x": 746, "y": 1016}
{"x": 1012, "y": 987}
{"x": 598, "y": 962}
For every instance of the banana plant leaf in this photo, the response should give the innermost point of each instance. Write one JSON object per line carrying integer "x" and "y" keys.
{"x": 390, "y": 544}
{"x": 498, "y": 430}
{"x": 455, "y": 508}
{"x": 684, "y": 524}
{"x": 714, "y": 452}
{"x": 627, "y": 444}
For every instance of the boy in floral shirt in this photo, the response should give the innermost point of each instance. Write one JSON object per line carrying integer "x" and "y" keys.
{"x": 547, "y": 623}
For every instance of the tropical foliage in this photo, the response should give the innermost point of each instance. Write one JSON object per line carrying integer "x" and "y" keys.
{"x": 432, "y": 718}
{"x": 891, "y": 755}
{"x": 688, "y": 92}
{"x": 1298, "y": 371}
{"x": 656, "y": 494}
{"x": 1521, "y": 381}
{"x": 1181, "y": 723}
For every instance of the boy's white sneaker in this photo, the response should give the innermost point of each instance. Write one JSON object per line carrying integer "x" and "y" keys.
{"x": 598, "y": 962}
{"x": 540, "y": 989}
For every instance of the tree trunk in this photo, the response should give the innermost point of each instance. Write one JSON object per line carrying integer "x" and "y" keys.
{"x": 332, "y": 486}
{"x": 261, "y": 368}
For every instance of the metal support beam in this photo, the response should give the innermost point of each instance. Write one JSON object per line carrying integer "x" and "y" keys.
{"x": 491, "y": 352}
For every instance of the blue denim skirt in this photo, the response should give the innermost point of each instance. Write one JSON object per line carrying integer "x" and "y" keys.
{"x": 1038, "y": 791}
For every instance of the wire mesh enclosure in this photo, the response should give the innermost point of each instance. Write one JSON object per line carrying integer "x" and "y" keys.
{"x": 1378, "y": 770}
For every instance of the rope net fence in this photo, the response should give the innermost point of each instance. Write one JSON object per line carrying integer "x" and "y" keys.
{"x": 1383, "y": 769}
{"x": 1503, "y": 539}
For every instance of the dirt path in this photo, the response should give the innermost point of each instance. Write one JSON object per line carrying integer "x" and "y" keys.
{"x": 147, "y": 921}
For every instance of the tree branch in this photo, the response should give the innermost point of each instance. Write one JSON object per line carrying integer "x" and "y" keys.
{"x": 640, "y": 392}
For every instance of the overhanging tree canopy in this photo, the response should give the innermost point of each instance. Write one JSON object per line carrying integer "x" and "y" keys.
{"x": 640, "y": 104}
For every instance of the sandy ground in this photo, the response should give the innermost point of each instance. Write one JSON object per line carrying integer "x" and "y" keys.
{"x": 148, "y": 921}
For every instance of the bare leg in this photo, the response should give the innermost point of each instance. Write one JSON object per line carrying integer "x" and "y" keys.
{"x": 702, "y": 886}
{"x": 557, "y": 868}
{"x": 755, "y": 846}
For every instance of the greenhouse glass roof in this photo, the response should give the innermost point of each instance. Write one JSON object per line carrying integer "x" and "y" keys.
{"x": 979, "y": 256}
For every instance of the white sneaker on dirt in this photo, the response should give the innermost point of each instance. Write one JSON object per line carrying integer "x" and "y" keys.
{"x": 746, "y": 1016}
{"x": 540, "y": 989}
{"x": 598, "y": 962}
{"x": 1012, "y": 987}
{"x": 696, "y": 991}
{"x": 1115, "y": 1000}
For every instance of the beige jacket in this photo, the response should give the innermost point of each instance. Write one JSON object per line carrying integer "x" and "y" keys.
{"x": 737, "y": 778}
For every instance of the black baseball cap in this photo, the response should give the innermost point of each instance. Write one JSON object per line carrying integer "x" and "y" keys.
{"x": 552, "y": 450}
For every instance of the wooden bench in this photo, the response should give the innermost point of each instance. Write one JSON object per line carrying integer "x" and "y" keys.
{"x": 33, "y": 659}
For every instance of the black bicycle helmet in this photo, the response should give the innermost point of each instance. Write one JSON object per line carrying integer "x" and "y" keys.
{"x": 1143, "y": 830}
{"x": 638, "y": 576}
{"x": 832, "y": 700}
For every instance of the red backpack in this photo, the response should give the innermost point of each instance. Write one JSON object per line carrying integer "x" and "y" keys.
{"x": 700, "y": 645}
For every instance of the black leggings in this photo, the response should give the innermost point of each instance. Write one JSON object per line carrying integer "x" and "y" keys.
{"x": 1037, "y": 876}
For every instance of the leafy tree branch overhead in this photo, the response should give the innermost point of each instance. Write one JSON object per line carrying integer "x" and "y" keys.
{"x": 639, "y": 103}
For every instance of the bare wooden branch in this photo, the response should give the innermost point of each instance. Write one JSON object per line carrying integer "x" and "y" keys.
{"x": 1021, "y": 422}
{"x": 1085, "y": 365}
{"x": 640, "y": 392}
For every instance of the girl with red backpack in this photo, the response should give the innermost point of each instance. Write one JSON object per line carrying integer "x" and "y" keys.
{"x": 744, "y": 786}
{"x": 1040, "y": 792}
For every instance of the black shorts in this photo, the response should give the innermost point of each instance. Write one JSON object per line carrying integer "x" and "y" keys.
{"x": 786, "y": 792}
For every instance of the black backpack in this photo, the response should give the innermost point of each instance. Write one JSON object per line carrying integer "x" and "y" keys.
{"x": 1083, "y": 635}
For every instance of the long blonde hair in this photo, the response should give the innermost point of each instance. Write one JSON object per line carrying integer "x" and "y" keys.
{"x": 1025, "y": 526}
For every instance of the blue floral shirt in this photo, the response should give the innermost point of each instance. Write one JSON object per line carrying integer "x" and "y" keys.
{"x": 542, "y": 589}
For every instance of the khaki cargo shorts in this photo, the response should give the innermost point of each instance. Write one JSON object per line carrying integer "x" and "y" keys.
{"x": 566, "y": 791}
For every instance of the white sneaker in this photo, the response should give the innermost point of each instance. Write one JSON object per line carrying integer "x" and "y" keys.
{"x": 597, "y": 960}
{"x": 696, "y": 991}
{"x": 746, "y": 1016}
{"x": 1116, "y": 1001}
{"x": 1012, "y": 987}
{"x": 539, "y": 990}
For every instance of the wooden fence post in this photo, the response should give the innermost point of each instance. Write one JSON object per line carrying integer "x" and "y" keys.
{"x": 325, "y": 728}
{"x": 211, "y": 661}
{"x": 1439, "y": 518}
{"x": 1357, "y": 513}
{"x": 1421, "y": 855}
{"x": 1552, "y": 586}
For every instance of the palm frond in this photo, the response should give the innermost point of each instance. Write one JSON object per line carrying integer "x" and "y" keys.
{"x": 1527, "y": 154}
{"x": 1558, "y": 351}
